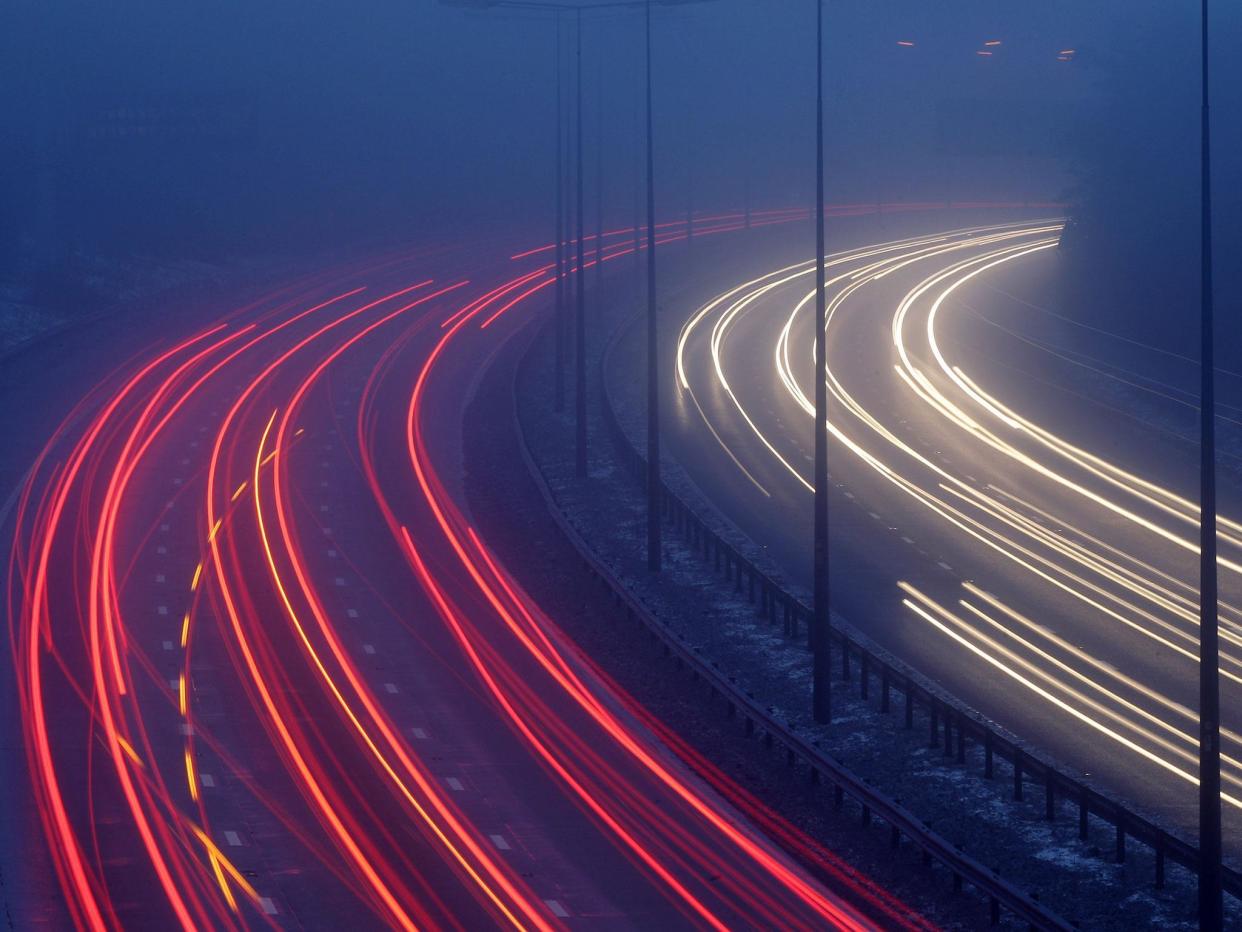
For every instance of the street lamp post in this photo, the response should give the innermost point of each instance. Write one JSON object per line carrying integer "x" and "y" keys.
{"x": 654, "y": 544}
{"x": 599, "y": 177}
{"x": 821, "y": 698}
{"x": 653, "y": 366}
{"x": 1211, "y": 906}
{"x": 559, "y": 322}
{"x": 580, "y": 410}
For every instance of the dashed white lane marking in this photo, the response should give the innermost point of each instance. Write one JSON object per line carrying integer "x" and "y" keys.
{"x": 849, "y": 494}
{"x": 206, "y": 779}
{"x": 557, "y": 909}
{"x": 907, "y": 540}
{"x": 159, "y": 577}
{"x": 323, "y": 483}
{"x": 161, "y": 610}
{"x": 323, "y": 507}
{"x": 163, "y": 528}
{"x": 368, "y": 648}
{"x": 161, "y": 549}
{"x": 419, "y": 733}
{"x": 177, "y": 481}
{"x": 168, "y": 645}
{"x": 174, "y": 685}
{"x": 455, "y": 784}
{"x": 499, "y": 842}
{"x": 340, "y": 580}
{"x": 945, "y": 566}
{"x": 232, "y": 838}
{"x": 268, "y": 906}
{"x": 331, "y": 552}
{"x": 874, "y": 515}
{"x": 185, "y": 727}
{"x": 327, "y": 532}
{"x": 351, "y": 612}
{"x": 391, "y": 687}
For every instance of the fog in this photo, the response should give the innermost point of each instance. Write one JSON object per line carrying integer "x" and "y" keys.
{"x": 205, "y": 205}
{"x": 157, "y": 132}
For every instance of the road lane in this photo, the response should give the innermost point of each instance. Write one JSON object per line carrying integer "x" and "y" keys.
{"x": 271, "y": 676}
{"x": 1032, "y": 570}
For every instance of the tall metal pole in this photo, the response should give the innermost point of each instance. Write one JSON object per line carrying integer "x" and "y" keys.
{"x": 690, "y": 193}
{"x": 637, "y": 241}
{"x": 654, "y": 549}
{"x": 560, "y": 231}
{"x": 580, "y": 409}
{"x": 821, "y": 700}
{"x": 746, "y": 192}
{"x": 1211, "y": 914}
{"x": 599, "y": 181}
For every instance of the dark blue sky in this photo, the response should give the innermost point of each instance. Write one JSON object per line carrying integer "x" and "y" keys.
{"x": 219, "y": 128}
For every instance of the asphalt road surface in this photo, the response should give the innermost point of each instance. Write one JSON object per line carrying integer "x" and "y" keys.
{"x": 268, "y": 675}
{"x": 1014, "y": 506}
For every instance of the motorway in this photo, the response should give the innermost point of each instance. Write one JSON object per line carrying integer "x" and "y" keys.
{"x": 1013, "y": 509}
{"x": 269, "y": 675}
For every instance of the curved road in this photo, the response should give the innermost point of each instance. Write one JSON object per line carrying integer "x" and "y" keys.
{"x": 1012, "y": 516}
{"x": 270, "y": 676}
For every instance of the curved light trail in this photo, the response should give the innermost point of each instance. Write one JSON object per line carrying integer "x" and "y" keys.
{"x": 1075, "y": 573}
{"x": 244, "y": 742}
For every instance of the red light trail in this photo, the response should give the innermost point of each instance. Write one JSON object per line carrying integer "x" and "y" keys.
{"x": 241, "y": 696}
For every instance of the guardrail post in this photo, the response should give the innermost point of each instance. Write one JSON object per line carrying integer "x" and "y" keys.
{"x": 994, "y": 918}
{"x": 1084, "y": 808}
{"x": 1017, "y": 774}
